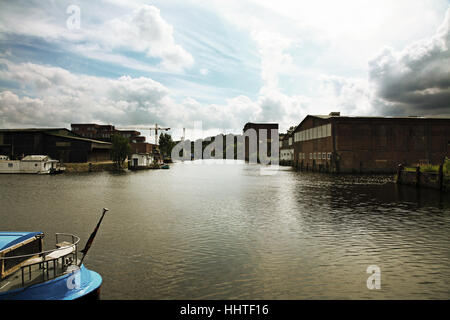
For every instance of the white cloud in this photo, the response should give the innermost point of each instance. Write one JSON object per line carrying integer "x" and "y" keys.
{"x": 142, "y": 30}
{"x": 274, "y": 61}
{"x": 413, "y": 79}
{"x": 52, "y": 96}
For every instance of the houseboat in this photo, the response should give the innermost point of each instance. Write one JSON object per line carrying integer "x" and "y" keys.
{"x": 39, "y": 164}
{"x": 141, "y": 161}
{"x": 28, "y": 272}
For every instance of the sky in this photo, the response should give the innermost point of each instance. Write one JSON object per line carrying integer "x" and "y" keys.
{"x": 220, "y": 63}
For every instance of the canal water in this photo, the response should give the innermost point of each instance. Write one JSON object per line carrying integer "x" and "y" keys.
{"x": 226, "y": 231}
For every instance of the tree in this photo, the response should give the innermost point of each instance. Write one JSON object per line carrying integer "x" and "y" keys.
{"x": 166, "y": 144}
{"x": 120, "y": 150}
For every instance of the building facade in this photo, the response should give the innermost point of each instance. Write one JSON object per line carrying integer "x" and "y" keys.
{"x": 252, "y": 144}
{"x": 141, "y": 161}
{"x": 104, "y": 132}
{"x": 336, "y": 143}
{"x": 59, "y": 143}
{"x": 287, "y": 149}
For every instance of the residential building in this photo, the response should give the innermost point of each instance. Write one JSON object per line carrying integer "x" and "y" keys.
{"x": 104, "y": 132}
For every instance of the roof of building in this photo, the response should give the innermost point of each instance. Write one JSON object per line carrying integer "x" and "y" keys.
{"x": 32, "y": 129}
{"x": 263, "y": 125}
{"x": 78, "y": 138}
{"x": 336, "y": 115}
{"x": 58, "y": 132}
{"x": 35, "y": 158}
{"x": 379, "y": 117}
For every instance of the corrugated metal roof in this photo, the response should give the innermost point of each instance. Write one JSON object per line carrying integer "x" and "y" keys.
{"x": 380, "y": 117}
{"x": 32, "y": 130}
{"x": 326, "y": 117}
{"x": 78, "y": 138}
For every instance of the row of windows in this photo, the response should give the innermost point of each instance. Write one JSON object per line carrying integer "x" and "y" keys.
{"x": 316, "y": 156}
{"x": 313, "y": 133}
{"x": 286, "y": 153}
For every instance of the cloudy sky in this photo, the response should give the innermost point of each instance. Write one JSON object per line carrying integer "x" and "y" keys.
{"x": 221, "y": 62}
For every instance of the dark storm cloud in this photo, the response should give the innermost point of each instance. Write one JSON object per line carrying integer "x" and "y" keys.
{"x": 416, "y": 80}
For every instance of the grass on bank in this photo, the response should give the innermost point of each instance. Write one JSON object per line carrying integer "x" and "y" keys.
{"x": 429, "y": 168}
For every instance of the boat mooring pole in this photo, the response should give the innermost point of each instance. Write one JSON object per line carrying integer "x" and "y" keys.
{"x": 92, "y": 236}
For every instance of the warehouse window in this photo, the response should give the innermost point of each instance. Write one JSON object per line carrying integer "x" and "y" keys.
{"x": 328, "y": 130}
{"x": 310, "y": 156}
{"x": 62, "y": 144}
{"x": 329, "y": 155}
{"x": 324, "y": 155}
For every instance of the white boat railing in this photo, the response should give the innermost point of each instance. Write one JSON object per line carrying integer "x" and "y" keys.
{"x": 65, "y": 252}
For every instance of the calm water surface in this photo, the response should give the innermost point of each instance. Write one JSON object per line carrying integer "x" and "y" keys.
{"x": 226, "y": 232}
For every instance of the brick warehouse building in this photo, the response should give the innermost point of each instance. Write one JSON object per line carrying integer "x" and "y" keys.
{"x": 58, "y": 143}
{"x": 104, "y": 132}
{"x": 369, "y": 144}
{"x": 259, "y": 127}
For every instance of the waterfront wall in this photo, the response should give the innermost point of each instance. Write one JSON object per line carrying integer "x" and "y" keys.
{"x": 91, "y": 167}
{"x": 421, "y": 178}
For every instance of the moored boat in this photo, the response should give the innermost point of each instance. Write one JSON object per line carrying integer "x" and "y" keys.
{"x": 39, "y": 164}
{"x": 27, "y": 272}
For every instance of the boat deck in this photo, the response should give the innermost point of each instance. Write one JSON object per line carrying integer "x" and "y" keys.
{"x": 33, "y": 274}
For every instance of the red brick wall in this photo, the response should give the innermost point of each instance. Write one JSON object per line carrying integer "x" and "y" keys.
{"x": 141, "y": 147}
{"x": 376, "y": 144}
{"x": 380, "y": 145}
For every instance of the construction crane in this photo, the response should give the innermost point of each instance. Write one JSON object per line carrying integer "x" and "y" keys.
{"x": 155, "y": 128}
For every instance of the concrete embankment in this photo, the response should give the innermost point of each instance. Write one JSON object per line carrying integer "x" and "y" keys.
{"x": 423, "y": 178}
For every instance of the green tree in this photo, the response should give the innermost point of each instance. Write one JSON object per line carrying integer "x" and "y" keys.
{"x": 120, "y": 150}
{"x": 166, "y": 144}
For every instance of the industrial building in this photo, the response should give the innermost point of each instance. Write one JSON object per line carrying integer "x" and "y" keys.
{"x": 138, "y": 145}
{"x": 286, "y": 149}
{"x": 104, "y": 132}
{"x": 336, "y": 143}
{"x": 58, "y": 143}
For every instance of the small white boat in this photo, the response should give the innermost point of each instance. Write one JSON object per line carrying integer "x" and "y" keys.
{"x": 30, "y": 164}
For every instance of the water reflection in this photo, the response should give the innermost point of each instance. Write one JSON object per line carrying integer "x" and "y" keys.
{"x": 226, "y": 231}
